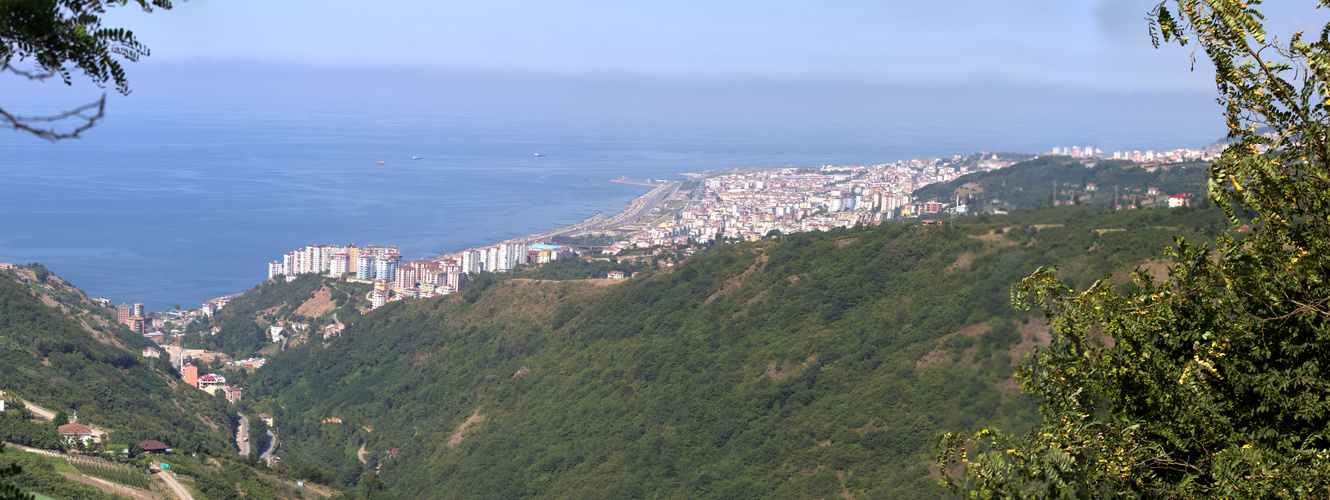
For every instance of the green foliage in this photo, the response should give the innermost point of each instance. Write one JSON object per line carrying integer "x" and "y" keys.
{"x": 39, "y": 475}
{"x": 588, "y": 240}
{"x": 110, "y": 471}
{"x": 258, "y": 435}
{"x": 8, "y": 489}
{"x": 767, "y": 369}
{"x": 15, "y": 427}
{"x": 241, "y": 334}
{"x": 50, "y": 360}
{"x": 57, "y": 37}
{"x": 1211, "y": 383}
{"x": 1030, "y": 184}
{"x": 577, "y": 269}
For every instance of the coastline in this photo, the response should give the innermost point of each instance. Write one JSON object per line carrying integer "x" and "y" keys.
{"x": 638, "y": 206}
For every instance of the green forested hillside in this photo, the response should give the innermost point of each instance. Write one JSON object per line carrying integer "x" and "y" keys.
{"x": 50, "y": 358}
{"x": 823, "y": 364}
{"x": 243, "y": 322}
{"x": 1030, "y": 183}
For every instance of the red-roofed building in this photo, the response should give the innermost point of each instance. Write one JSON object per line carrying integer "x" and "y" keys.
{"x": 1178, "y": 200}
{"x": 76, "y": 432}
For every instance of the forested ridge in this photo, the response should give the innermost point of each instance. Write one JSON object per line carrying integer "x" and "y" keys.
{"x": 1032, "y": 183}
{"x": 49, "y": 358}
{"x": 820, "y": 364}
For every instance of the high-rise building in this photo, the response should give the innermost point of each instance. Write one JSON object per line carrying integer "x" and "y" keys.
{"x": 365, "y": 266}
{"x": 386, "y": 266}
{"x": 378, "y": 298}
{"x": 339, "y": 264}
{"x": 124, "y": 312}
{"x": 352, "y": 258}
{"x": 140, "y": 310}
{"x": 405, "y": 277}
{"x": 191, "y": 375}
{"x": 275, "y": 269}
{"x": 472, "y": 261}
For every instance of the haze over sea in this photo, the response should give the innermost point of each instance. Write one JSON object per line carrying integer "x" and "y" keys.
{"x": 181, "y": 198}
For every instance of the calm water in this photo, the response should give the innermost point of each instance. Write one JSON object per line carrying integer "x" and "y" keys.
{"x": 163, "y": 206}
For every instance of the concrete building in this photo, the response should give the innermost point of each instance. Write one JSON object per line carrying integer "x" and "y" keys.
{"x": 365, "y": 265}
{"x": 404, "y": 277}
{"x": 191, "y": 375}
{"x": 339, "y": 264}
{"x": 385, "y": 267}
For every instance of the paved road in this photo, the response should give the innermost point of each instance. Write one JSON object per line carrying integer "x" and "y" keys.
{"x": 269, "y": 447}
{"x": 178, "y": 489}
{"x": 241, "y": 434}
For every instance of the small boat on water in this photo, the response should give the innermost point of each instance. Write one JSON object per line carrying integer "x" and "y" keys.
{"x": 416, "y": 157}
{"x": 539, "y": 154}
{"x": 380, "y": 162}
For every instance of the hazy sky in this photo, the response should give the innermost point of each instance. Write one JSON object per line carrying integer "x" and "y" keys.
{"x": 1101, "y": 43}
{"x": 1084, "y": 66}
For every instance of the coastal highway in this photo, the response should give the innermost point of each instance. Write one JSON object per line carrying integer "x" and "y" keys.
{"x": 637, "y": 208}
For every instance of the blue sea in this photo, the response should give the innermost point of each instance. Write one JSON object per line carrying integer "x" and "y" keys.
{"x": 176, "y": 202}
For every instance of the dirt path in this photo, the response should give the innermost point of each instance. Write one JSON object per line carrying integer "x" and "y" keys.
{"x": 114, "y": 488}
{"x": 361, "y": 454}
{"x": 178, "y": 489}
{"x": 38, "y": 411}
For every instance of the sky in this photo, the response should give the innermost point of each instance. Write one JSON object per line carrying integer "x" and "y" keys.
{"x": 1046, "y": 42}
{"x": 852, "y": 61}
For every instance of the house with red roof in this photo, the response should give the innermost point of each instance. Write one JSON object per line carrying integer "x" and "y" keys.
{"x": 76, "y": 432}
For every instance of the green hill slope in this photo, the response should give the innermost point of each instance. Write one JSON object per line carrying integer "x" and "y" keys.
{"x": 58, "y": 351}
{"x": 817, "y": 366}
{"x": 1030, "y": 183}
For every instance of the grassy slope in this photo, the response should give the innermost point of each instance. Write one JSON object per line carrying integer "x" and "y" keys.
{"x": 823, "y": 364}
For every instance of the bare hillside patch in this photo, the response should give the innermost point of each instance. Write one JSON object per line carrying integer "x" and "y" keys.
{"x": 736, "y": 281}
{"x": 1034, "y": 333}
{"x": 937, "y": 355}
{"x": 962, "y": 260}
{"x": 466, "y": 429}
{"x": 318, "y": 305}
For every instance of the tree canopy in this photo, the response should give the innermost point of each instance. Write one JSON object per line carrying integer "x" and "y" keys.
{"x": 41, "y": 39}
{"x": 1209, "y": 383}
